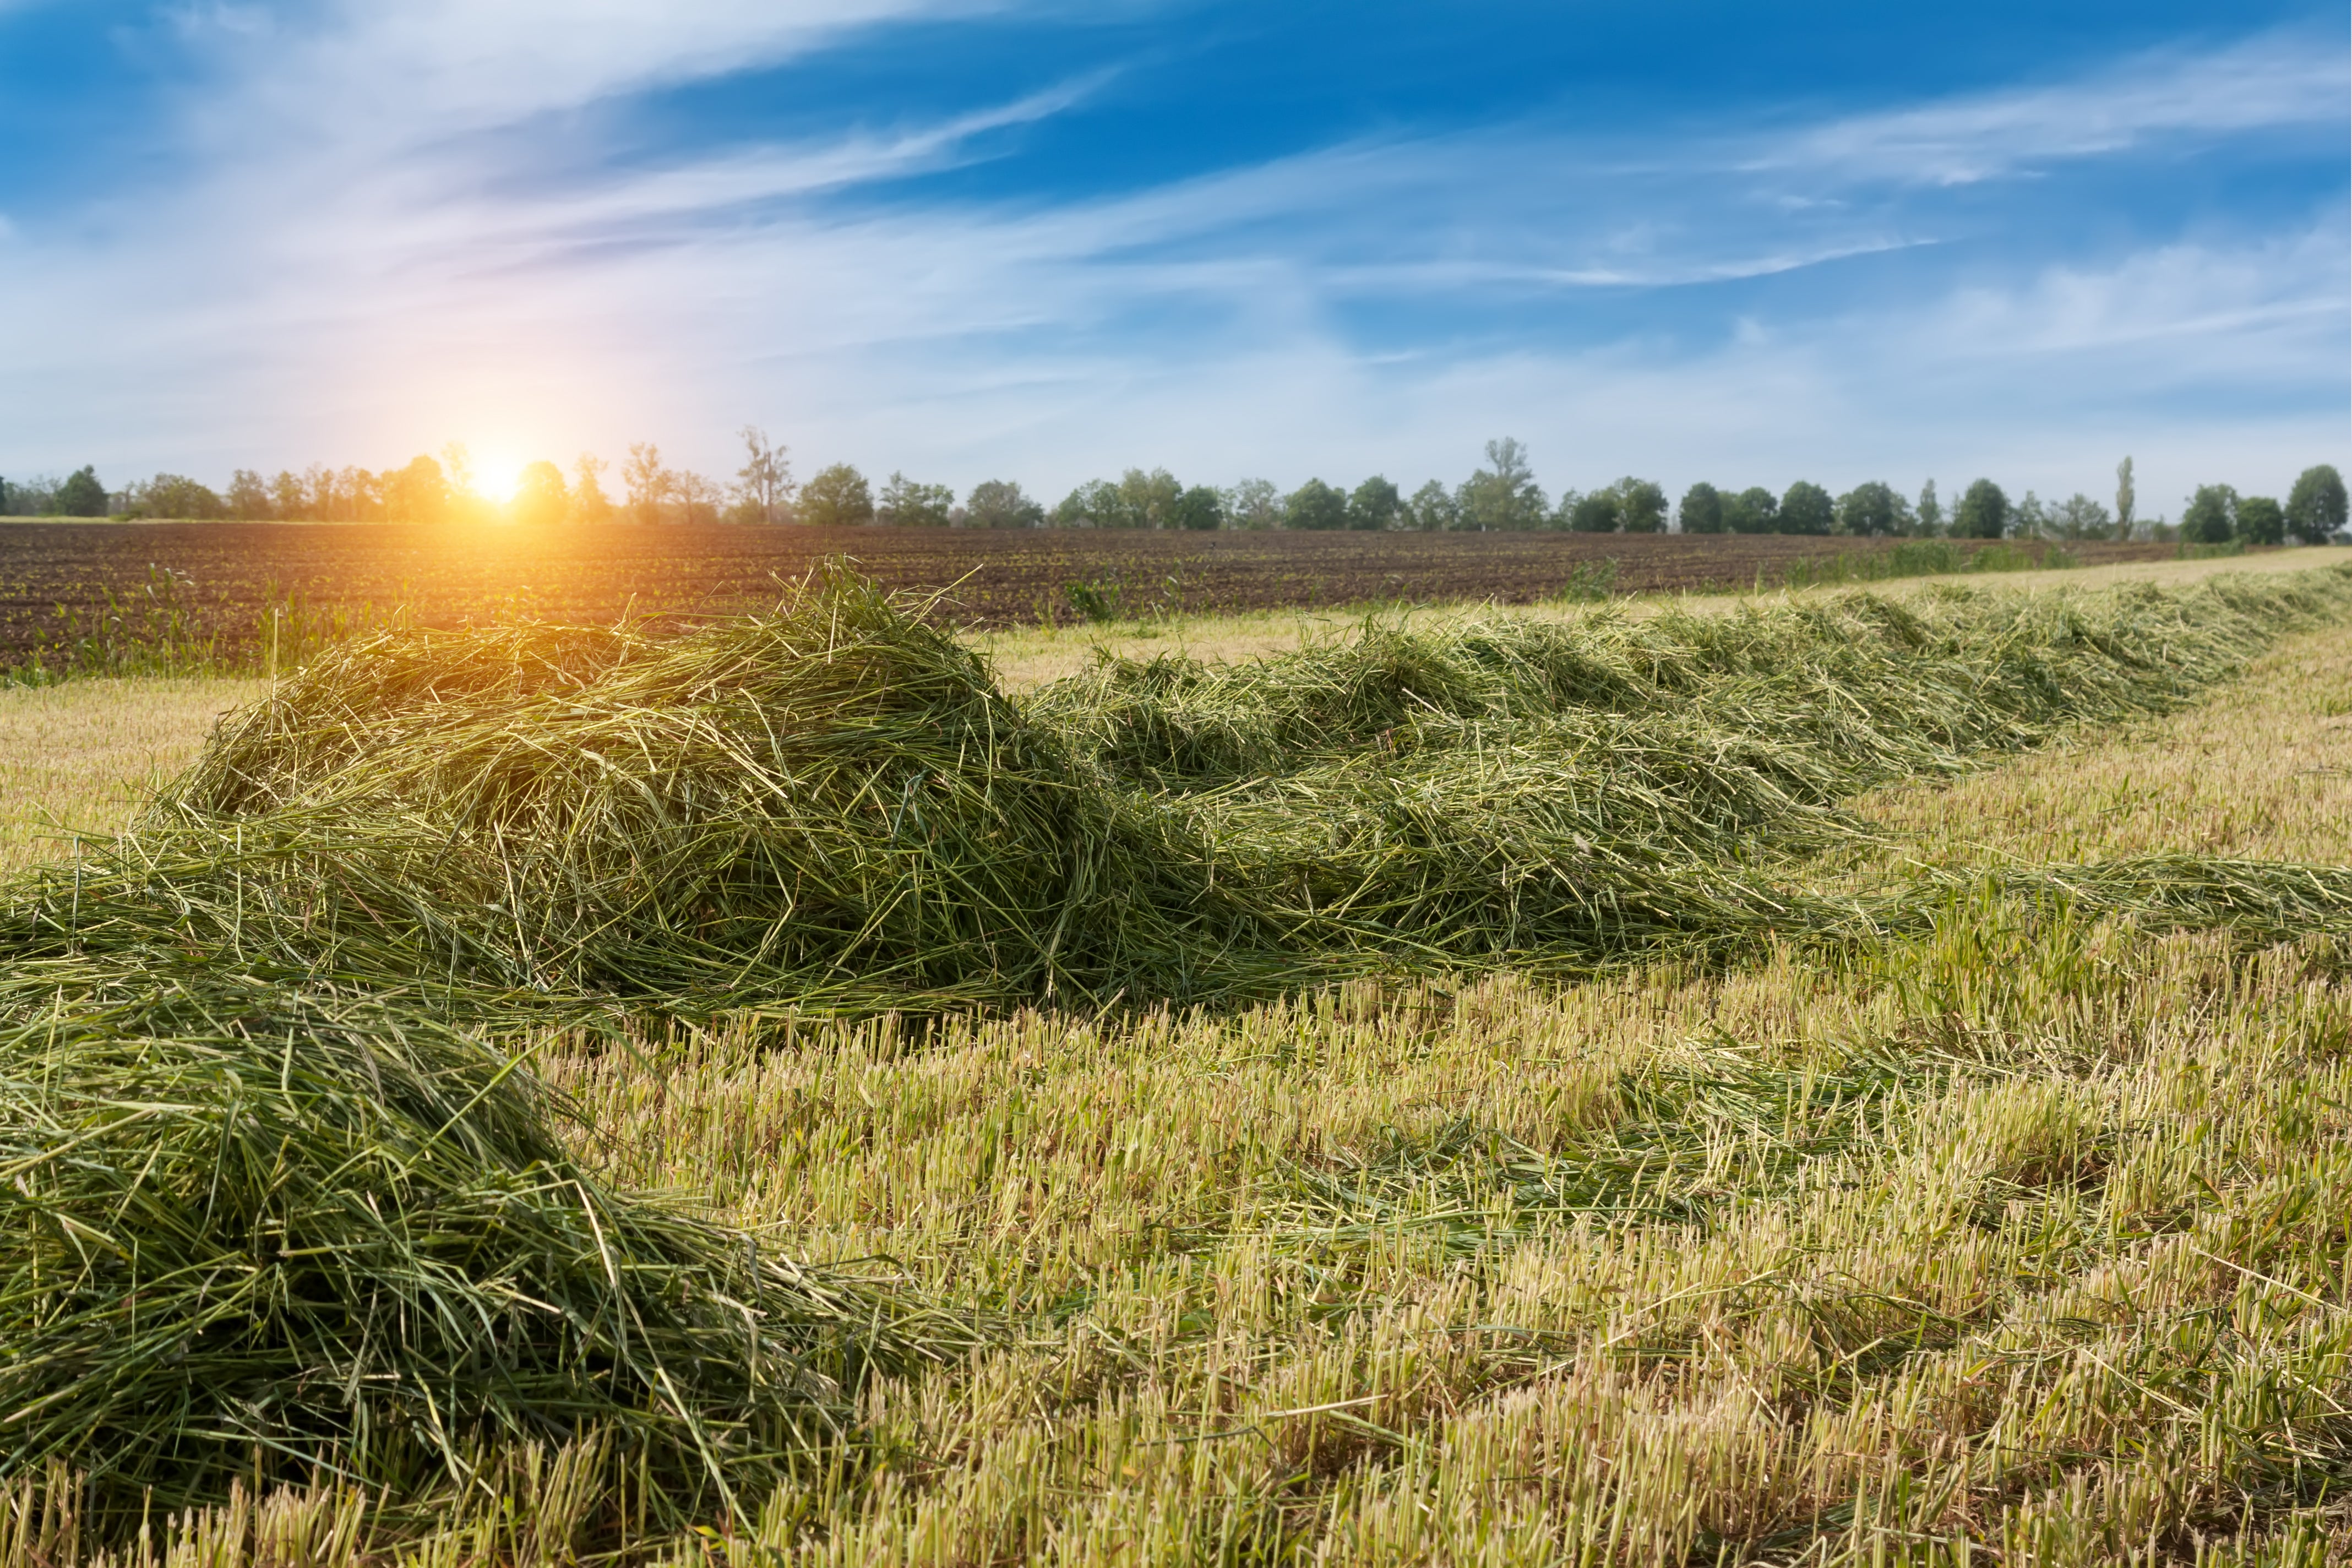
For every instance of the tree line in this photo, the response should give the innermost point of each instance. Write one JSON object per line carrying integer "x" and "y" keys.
{"x": 1501, "y": 496}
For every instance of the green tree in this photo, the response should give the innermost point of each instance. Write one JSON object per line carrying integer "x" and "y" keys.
{"x": 1753, "y": 510}
{"x": 1376, "y": 506}
{"x": 1598, "y": 512}
{"x": 81, "y": 495}
{"x": 2261, "y": 521}
{"x": 1702, "y": 509}
{"x": 1983, "y": 512}
{"x": 1503, "y": 496}
{"x": 2030, "y": 520}
{"x": 905, "y": 504}
{"x": 1315, "y": 505}
{"x": 1806, "y": 509}
{"x": 839, "y": 497}
{"x": 2127, "y": 497}
{"x": 1641, "y": 505}
{"x": 1931, "y": 510}
{"x": 1871, "y": 509}
{"x": 2314, "y": 508}
{"x": 1147, "y": 500}
{"x": 1094, "y": 504}
{"x": 2211, "y": 517}
{"x": 999, "y": 503}
{"x": 1199, "y": 510}
{"x": 418, "y": 493}
{"x": 540, "y": 497}
{"x": 1433, "y": 509}
{"x": 1254, "y": 504}
{"x": 177, "y": 495}
{"x": 2080, "y": 517}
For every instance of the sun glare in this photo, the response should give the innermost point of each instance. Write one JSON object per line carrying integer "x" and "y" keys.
{"x": 497, "y": 478}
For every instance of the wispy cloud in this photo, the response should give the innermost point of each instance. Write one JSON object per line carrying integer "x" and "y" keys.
{"x": 2278, "y": 80}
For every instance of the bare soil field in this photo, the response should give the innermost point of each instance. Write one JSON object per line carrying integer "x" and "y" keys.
{"x": 59, "y": 581}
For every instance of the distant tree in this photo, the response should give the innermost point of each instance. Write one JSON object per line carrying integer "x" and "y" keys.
{"x": 1433, "y": 509}
{"x": 1199, "y": 508}
{"x": 1315, "y": 505}
{"x": 2211, "y": 517}
{"x": 289, "y": 497}
{"x": 418, "y": 493}
{"x": 1641, "y": 505}
{"x": 1702, "y": 509}
{"x": 590, "y": 504}
{"x": 2261, "y": 521}
{"x": 2030, "y": 520}
{"x": 363, "y": 493}
{"x": 1147, "y": 500}
{"x": 2080, "y": 517}
{"x": 648, "y": 483}
{"x": 839, "y": 497}
{"x": 1094, "y": 504}
{"x": 1983, "y": 512}
{"x": 2125, "y": 498}
{"x": 81, "y": 495}
{"x": 1930, "y": 514}
{"x": 905, "y": 504}
{"x": 1806, "y": 509}
{"x": 457, "y": 468}
{"x": 1503, "y": 496}
{"x": 1375, "y": 506}
{"x": 248, "y": 497}
{"x": 1753, "y": 510}
{"x": 1254, "y": 504}
{"x": 2316, "y": 506}
{"x": 763, "y": 485}
{"x": 1598, "y": 512}
{"x": 177, "y": 495}
{"x": 999, "y": 503}
{"x": 699, "y": 496}
{"x": 540, "y": 497}
{"x": 1871, "y": 509}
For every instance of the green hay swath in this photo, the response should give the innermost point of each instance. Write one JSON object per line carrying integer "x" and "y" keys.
{"x": 833, "y": 808}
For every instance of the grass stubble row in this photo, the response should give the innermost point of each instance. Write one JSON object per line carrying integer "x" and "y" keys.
{"x": 284, "y": 1193}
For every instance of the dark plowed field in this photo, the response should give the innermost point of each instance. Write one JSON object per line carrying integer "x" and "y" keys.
{"x": 56, "y": 579}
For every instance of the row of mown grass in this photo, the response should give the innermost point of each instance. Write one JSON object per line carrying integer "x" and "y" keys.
{"x": 1407, "y": 1266}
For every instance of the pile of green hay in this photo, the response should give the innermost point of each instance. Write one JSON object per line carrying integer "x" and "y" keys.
{"x": 249, "y": 1233}
{"x": 833, "y": 808}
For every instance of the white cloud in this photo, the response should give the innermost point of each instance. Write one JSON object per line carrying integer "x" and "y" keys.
{"x": 2276, "y": 79}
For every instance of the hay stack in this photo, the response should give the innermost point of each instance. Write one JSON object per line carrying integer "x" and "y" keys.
{"x": 246, "y": 1233}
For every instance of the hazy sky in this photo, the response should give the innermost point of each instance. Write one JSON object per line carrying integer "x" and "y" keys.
{"x": 1735, "y": 242}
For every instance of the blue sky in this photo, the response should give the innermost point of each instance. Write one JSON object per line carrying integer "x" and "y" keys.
{"x": 968, "y": 240}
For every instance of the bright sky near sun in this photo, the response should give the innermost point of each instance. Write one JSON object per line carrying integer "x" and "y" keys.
{"x": 1735, "y": 242}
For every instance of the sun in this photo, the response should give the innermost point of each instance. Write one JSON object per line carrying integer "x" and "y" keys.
{"x": 498, "y": 477}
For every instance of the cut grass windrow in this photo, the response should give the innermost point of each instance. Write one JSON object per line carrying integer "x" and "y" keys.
{"x": 833, "y": 808}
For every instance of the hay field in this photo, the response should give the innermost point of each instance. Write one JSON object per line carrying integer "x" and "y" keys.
{"x": 2020, "y": 1231}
